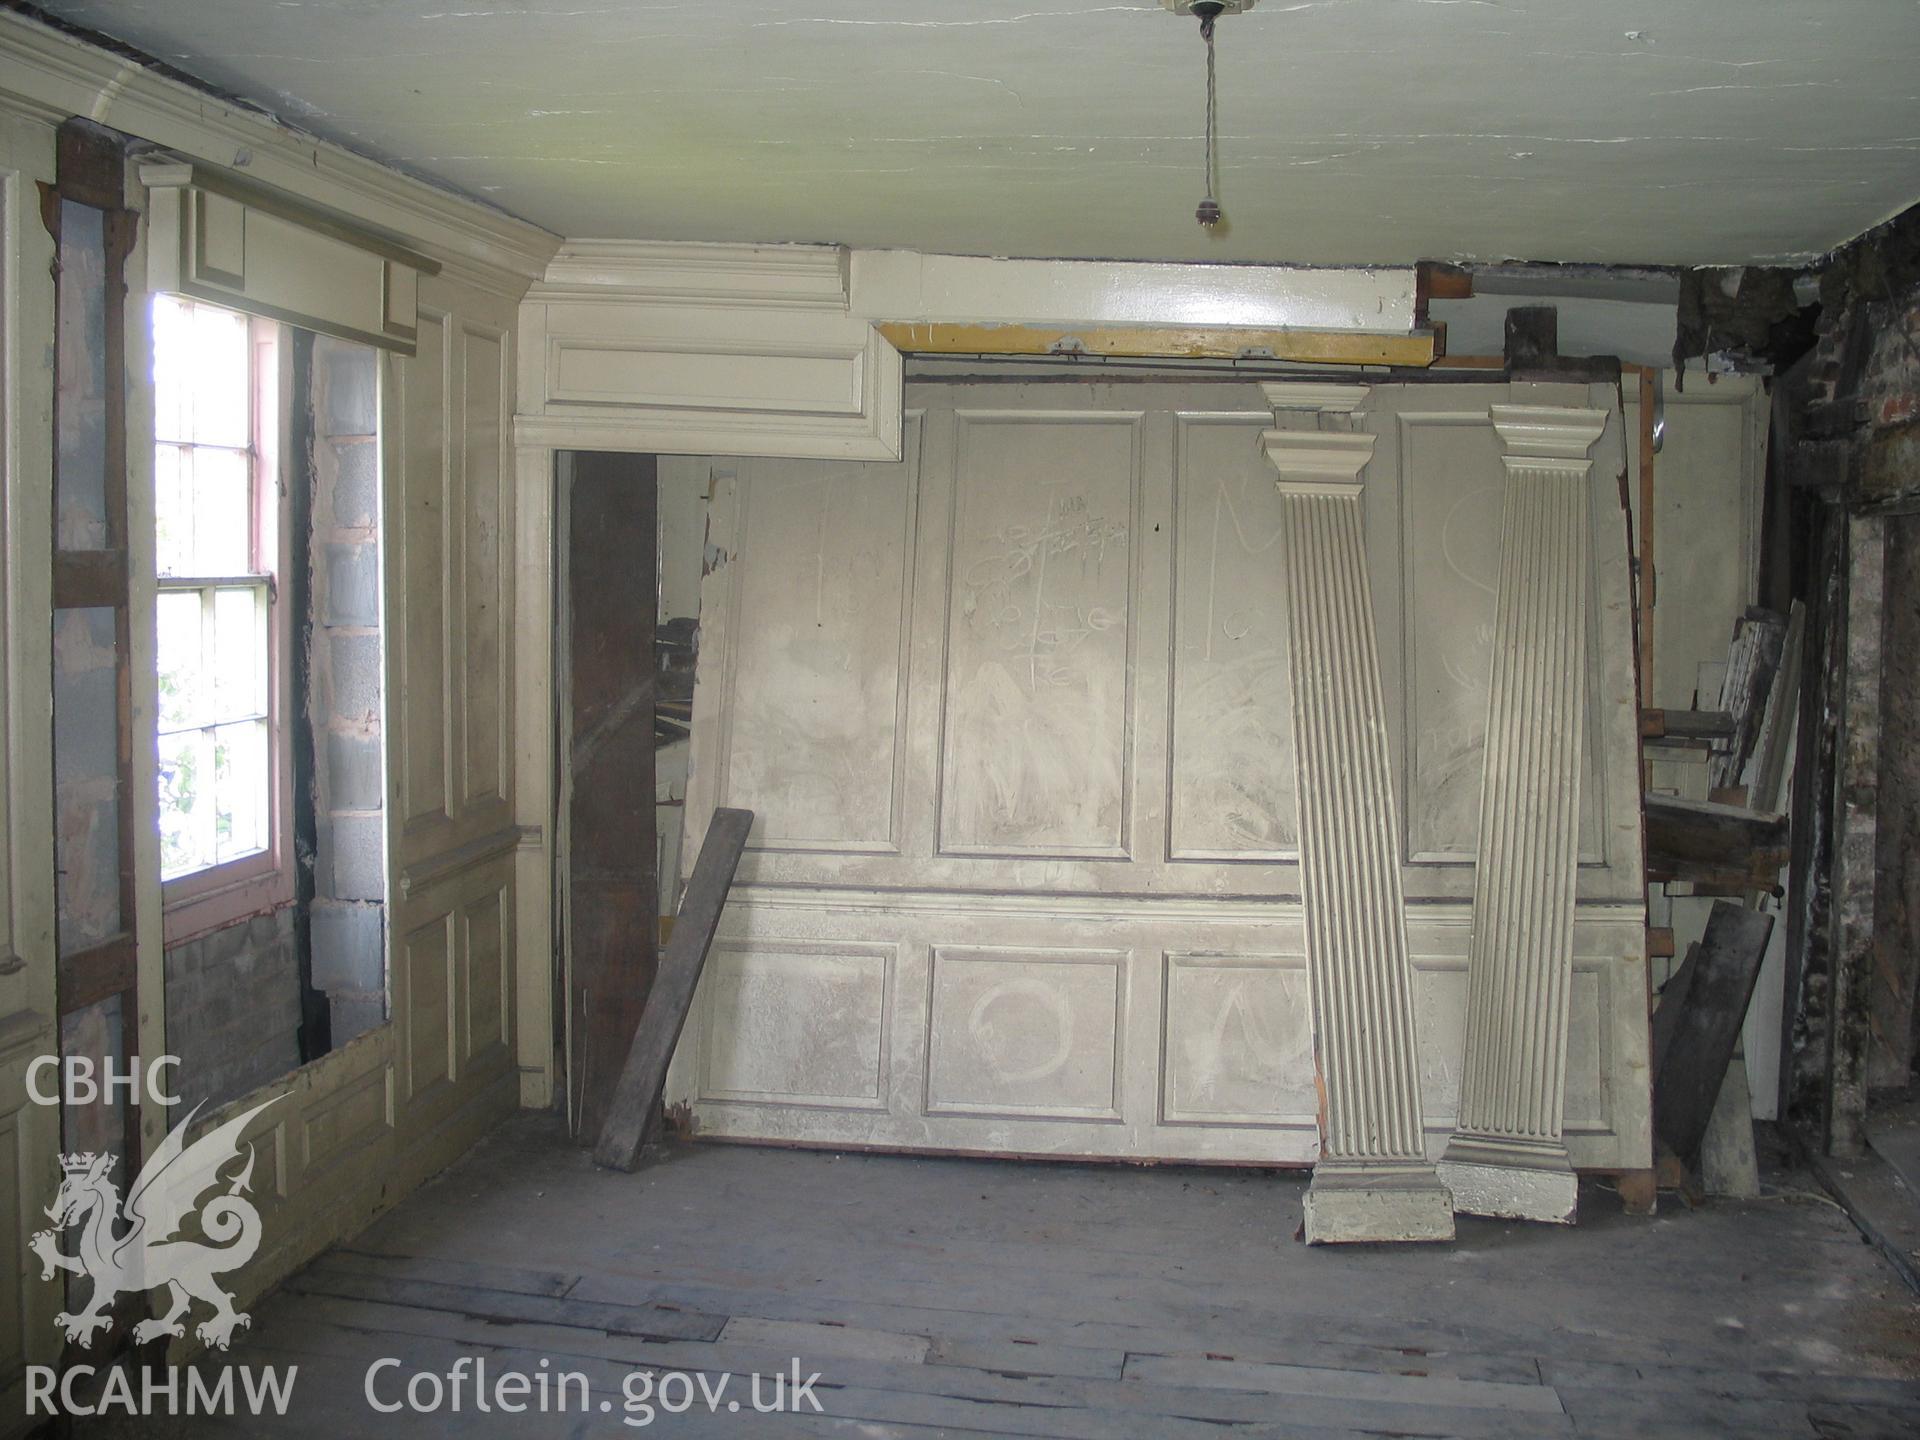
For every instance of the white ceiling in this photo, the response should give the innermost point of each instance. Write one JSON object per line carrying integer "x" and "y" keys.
{"x": 1379, "y": 131}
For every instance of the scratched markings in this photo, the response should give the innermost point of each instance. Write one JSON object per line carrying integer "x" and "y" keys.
{"x": 1027, "y": 1032}
{"x": 826, "y": 555}
{"x": 1231, "y": 790}
{"x": 1039, "y": 647}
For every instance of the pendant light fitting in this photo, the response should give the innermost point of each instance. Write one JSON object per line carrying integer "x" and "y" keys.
{"x": 1208, "y": 213}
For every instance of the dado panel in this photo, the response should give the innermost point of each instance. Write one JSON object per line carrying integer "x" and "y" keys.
{"x": 1026, "y": 1032}
{"x": 798, "y": 1024}
{"x": 1171, "y": 1029}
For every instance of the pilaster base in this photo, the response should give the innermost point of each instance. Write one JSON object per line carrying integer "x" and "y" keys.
{"x": 1510, "y": 1179}
{"x": 1357, "y": 1204}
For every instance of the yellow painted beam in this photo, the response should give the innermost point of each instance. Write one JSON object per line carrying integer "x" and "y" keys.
{"x": 1174, "y": 342}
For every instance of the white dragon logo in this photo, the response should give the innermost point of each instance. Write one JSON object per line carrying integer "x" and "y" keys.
{"x": 150, "y": 1253}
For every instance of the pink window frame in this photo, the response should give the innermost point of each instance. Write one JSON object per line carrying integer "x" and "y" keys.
{"x": 212, "y": 899}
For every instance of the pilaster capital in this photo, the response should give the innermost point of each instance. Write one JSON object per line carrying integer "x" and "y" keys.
{"x": 1316, "y": 462}
{"x": 1546, "y": 432}
{"x": 1315, "y": 396}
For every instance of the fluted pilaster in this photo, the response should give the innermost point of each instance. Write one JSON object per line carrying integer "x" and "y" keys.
{"x": 1373, "y": 1181}
{"x": 1507, "y": 1156}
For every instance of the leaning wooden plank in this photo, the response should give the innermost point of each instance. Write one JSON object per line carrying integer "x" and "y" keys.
{"x": 1751, "y": 664}
{"x": 1666, "y": 1015}
{"x": 1708, "y": 1026}
{"x": 681, "y": 962}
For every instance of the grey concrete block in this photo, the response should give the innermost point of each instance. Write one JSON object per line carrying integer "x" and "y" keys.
{"x": 353, "y": 584}
{"x": 358, "y": 862}
{"x": 355, "y": 778}
{"x": 355, "y": 673}
{"x": 356, "y": 484}
{"x": 349, "y": 947}
{"x": 353, "y": 388}
{"x": 323, "y": 854}
{"x": 354, "y": 1015}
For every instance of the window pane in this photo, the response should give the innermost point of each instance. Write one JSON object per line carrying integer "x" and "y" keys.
{"x": 186, "y": 803}
{"x": 239, "y": 661}
{"x": 241, "y": 784}
{"x": 222, "y": 511}
{"x": 172, "y": 369}
{"x": 217, "y": 369}
{"x": 183, "y": 701}
{"x": 172, "y": 512}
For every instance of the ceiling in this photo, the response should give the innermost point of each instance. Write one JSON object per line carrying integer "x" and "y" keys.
{"x": 1352, "y": 131}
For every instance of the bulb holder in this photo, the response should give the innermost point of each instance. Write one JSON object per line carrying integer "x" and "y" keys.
{"x": 1208, "y": 213}
{"x": 1219, "y": 7}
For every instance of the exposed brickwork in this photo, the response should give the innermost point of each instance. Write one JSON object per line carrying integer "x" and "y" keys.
{"x": 233, "y": 1008}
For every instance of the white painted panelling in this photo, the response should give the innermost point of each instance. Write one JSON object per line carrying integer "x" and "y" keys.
{"x": 1186, "y": 1026}
{"x": 610, "y": 372}
{"x": 819, "y": 652}
{"x": 1039, "y": 663}
{"x": 1236, "y": 1041}
{"x": 1026, "y": 1032}
{"x": 1230, "y": 786}
{"x": 801, "y": 1024}
{"x": 1105, "y": 852}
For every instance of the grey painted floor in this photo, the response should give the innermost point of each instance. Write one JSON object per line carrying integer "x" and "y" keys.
{"x": 958, "y": 1297}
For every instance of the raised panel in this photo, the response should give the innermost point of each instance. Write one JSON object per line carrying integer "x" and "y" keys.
{"x": 1453, "y": 483}
{"x": 1440, "y": 997}
{"x": 1440, "y": 1020}
{"x": 1451, "y": 479}
{"x": 1029, "y": 1032}
{"x": 817, "y": 698}
{"x": 483, "y": 597}
{"x": 718, "y": 376}
{"x": 1231, "y": 777}
{"x": 797, "y": 1023}
{"x": 484, "y": 953}
{"x": 426, "y": 1005}
{"x": 735, "y": 380}
{"x": 355, "y": 1113}
{"x": 1236, "y": 1042}
{"x": 1036, "y": 738}
{"x": 1589, "y": 1012}
{"x": 424, "y": 598}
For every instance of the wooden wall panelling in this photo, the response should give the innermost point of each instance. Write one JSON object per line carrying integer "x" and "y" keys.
{"x": 1230, "y": 783}
{"x": 816, "y": 667}
{"x": 1208, "y": 1054}
{"x": 1216, "y": 1059}
{"x": 1041, "y": 635}
{"x": 29, "y": 1134}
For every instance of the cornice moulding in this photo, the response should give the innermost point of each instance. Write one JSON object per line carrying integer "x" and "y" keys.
{"x": 809, "y": 277}
{"x": 51, "y": 76}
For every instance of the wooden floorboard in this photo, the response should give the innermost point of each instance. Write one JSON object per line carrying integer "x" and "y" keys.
{"x": 954, "y": 1298}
